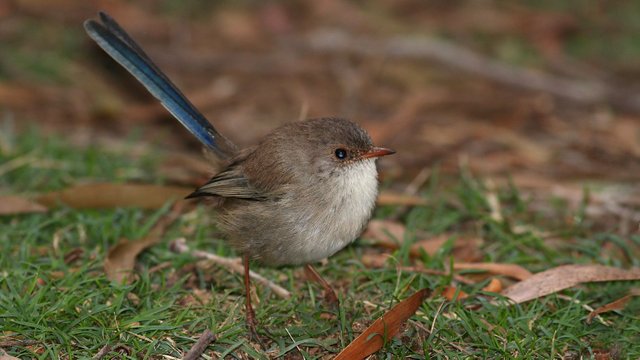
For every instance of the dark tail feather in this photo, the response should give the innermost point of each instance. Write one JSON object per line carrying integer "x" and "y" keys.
{"x": 198, "y": 194}
{"x": 113, "y": 39}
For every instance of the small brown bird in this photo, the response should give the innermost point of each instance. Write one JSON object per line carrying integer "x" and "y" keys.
{"x": 300, "y": 195}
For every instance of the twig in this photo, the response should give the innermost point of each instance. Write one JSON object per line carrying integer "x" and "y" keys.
{"x": 494, "y": 202}
{"x": 584, "y": 306}
{"x": 234, "y": 264}
{"x": 588, "y": 91}
{"x": 200, "y": 346}
{"x": 104, "y": 351}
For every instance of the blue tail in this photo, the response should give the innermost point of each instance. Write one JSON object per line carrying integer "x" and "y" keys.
{"x": 113, "y": 39}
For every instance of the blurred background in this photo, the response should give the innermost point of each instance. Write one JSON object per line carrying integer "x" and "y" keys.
{"x": 538, "y": 93}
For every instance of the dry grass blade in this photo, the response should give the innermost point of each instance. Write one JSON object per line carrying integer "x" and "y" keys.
{"x": 108, "y": 195}
{"x": 233, "y": 264}
{"x": 563, "y": 277}
{"x": 383, "y": 329}
{"x": 510, "y": 270}
{"x": 121, "y": 258}
{"x": 614, "y": 305}
{"x": 11, "y": 205}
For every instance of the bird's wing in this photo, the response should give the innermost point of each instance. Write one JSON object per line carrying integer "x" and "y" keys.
{"x": 230, "y": 183}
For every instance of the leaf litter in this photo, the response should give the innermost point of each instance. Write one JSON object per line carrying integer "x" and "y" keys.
{"x": 384, "y": 328}
{"x": 12, "y": 205}
{"x": 390, "y": 234}
{"x": 563, "y": 277}
{"x": 120, "y": 260}
{"x": 111, "y": 195}
{"x": 115, "y": 195}
{"x": 618, "y": 304}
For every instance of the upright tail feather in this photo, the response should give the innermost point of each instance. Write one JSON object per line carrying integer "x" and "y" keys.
{"x": 113, "y": 39}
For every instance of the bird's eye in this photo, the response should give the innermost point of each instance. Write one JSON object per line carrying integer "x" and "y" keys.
{"x": 341, "y": 154}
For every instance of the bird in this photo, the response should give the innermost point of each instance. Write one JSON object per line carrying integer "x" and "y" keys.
{"x": 302, "y": 193}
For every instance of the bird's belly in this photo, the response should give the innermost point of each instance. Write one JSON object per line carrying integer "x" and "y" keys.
{"x": 318, "y": 232}
{"x": 327, "y": 233}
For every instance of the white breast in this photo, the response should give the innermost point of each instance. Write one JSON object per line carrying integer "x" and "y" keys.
{"x": 346, "y": 209}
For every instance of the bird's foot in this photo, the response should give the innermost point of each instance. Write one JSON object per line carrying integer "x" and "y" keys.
{"x": 330, "y": 298}
{"x": 252, "y": 328}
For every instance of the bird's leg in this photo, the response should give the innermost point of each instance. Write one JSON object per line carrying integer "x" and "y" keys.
{"x": 250, "y": 314}
{"x": 330, "y": 296}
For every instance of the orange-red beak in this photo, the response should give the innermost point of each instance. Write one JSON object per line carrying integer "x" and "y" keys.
{"x": 377, "y": 152}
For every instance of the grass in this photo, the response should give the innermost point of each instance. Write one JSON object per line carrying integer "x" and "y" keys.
{"x": 70, "y": 310}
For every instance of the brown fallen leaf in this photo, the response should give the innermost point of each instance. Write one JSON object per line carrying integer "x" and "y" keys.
{"x": 510, "y": 270}
{"x": 11, "y": 205}
{"x": 614, "y": 305}
{"x": 109, "y": 195}
{"x": 374, "y": 260}
{"x": 429, "y": 246}
{"x": 390, "y": 198}
{"x": 563, "y": 277}
{"x": 120, "y": 260}
{"x": 495, "y": 286}
{"x": 383, "y": 329}
{"x": 386, "y": 233}
{"x": 452, "y": 293}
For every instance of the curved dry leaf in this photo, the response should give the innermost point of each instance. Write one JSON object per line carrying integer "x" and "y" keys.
{"x": 121, "y": 258}
{"x": 109, "y": 195}
{"x": 563, "y": 277}
{"x": 11, "y": 205}
{"x": 494, "y": 286}
{"x": 452, "y": 293}
{"x": 383, "y": 329}
{"x": 510, "y": 270}
{"x": 614, "y": 305}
